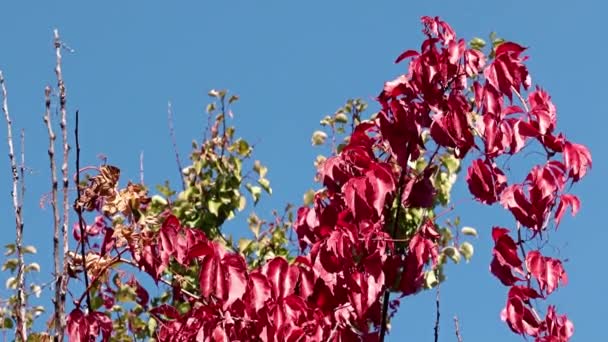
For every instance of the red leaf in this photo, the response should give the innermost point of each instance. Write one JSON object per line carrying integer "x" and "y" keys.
{"x": 548, "y": 272}
{"x": 281, "y": 276}
{"x": 577, "y": 159}
{"x": 258, "y": 290}
{"x": 77, "y": 326}
{"x": 235, "y": 271}
{"x": 505, "y": 258}
{"x": 518, "y": 314}
{"x": 99, "y": 324}
{"x": 558, "y": 328}
{"x": 486, "y": 182}
{"x": 406, "y": 54}
{"x": 566, "y": 201}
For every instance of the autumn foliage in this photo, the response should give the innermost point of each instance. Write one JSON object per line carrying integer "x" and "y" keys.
{"x": 369, "y": 231}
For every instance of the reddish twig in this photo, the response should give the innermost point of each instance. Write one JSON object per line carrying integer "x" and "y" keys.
{"x": 21, "y": 329}
{"x": 174, "y": 143}
{"x": 141, "y": 167}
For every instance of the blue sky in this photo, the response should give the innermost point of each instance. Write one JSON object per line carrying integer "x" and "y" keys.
{"x": 291, "y": 63}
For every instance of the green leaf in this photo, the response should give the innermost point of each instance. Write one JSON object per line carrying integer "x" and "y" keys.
{"x": 430, "y": 279}
{"x": 32, "y": 267}
{"x": 29, "y": 249}
{"x": 7, "y": 323}
{"x": 233, "y": 98}
{"x": 244, "y": 244}
{"x": 36, "y": 290}
{"x": 318, "y": 138}
{"x": 10, "y": 249}
{"x": 260, "y": 169}
{"x": 152, "y": 324}
{"x": 309, "y": 196}
{"x": 477, "y": 43}
{"x": 255, "y": 191}
{"x": 467, "y": 250}
{"x": 242, "y": 203}
{"x": 265, "y": 183}
{"x": 243, "y": 147}
{"x": 126, "y": 294}
{"x": 341, "y": 118}
{"x": 452, "y": 253}
{"x": 470, "y": 231}
{"x": 214, "y": 207}
{"x": 10, "y": 264}
{"x": 451, "y": 163}
{"x": 11, "y": 283}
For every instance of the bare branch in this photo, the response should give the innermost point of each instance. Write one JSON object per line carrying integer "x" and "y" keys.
{"x": 457, "y": 329}
{"x": 141, "y": 167}
{"x": 83, "y": 237}
{"x": 387, "y": 291}
{"x": 58, "y": 269}
{"x": 64, "y": 172}
{"x": 21, "y": 329}
{"x": 174, "y": 143}
{"x": 437, "y": 314}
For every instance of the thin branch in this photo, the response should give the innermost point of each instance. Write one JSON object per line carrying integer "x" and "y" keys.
{"x": 457, "y": 329}
{"x": 79, "y": 212}
{"x": 141, "y": 167}
{"x": 437, "y": 314}
{"x": 64, "y": 172}
{"x": 174, "y": 143}
{"x": 21, "y": 329}
{"x": 22, "y": 170}
{"x": 58, "y": 314}
{"x": 387, "y": 293}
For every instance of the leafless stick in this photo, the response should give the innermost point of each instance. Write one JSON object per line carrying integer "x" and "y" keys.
{"x": 174, "y": 142}
{"x": 64, "y": 172}
{"x": 141, "y": 167}
{"x": 58, "y": 269}
{"x": 22, "y": 169}
{"x": 457, "y": 328}
{"x": 79, "y": 212}
{"x": 21, "y": 329}
{"x": 437, "y": 314}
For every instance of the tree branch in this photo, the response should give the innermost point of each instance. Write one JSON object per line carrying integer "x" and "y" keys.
{"x": 174, "y": 143}
{"x": 54, "y": 203}
{"x": 64, "y": 171}
{"x": 457, "y": 329}
{"x": 79, "y": 212}
{"x": 437, "y": 314}
{"x": 21, "y": 329}
{"x": 387, "y": 293}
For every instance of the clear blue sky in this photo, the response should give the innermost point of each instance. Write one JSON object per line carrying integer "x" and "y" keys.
{"x": 292, "y": 62}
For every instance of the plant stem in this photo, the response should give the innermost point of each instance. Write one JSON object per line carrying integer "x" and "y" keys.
{"x": 21, "y": 329}
{"x": 83, "y": 237}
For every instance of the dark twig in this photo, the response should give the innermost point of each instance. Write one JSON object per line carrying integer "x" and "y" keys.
{"x": 437, "y": 314}
{"x": 174, "y": 143}
{"x": 64, "y": 171}
{"x": 387, "y": 293}
{"x": 457, "y": 329}
{"x": 22, "y": 170}
{"x": 79, "y": 212}
{"x": 58, "y": 314}
{"x": 21, "y": 329}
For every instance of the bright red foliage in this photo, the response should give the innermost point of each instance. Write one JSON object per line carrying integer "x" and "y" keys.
{"x": 334, "y": 291}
